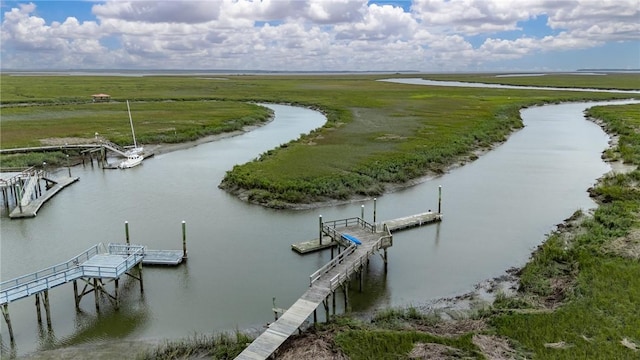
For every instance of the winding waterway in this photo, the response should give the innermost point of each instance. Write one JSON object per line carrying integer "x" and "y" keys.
{"x": 497, "y": 210}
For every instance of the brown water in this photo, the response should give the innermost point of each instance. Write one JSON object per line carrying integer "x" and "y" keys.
{"x": 497, "y": 210}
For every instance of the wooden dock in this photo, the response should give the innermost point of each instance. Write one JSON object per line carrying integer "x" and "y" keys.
{"x": 399, "y": 224}
{"x": 31, "y": 209}
{"x": 313, "y": 245}
{"x": 323, "y": 283}
{"x": 93, "y": 268}
{"x": 412, "y": 221}
{"x": 163, "y": 257}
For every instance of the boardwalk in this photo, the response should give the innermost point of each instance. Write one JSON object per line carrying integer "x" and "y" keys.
{"x": 92, "y": 267}
{"x": 99, "y": 261}
{"x": 323, "y": 283}
{"x": 32, "y": 207}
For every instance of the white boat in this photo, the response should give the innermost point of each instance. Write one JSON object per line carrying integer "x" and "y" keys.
{"x": 132, "y": 160}
{"x": 137, "y": 150}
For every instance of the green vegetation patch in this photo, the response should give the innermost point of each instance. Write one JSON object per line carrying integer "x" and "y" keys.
{"x": 221, "y": 346}
{"x": 589, "y": 274}
{"x": 391, "y": 344}
{"x": 154, "y": 122}
{"x": 378, "y": 134}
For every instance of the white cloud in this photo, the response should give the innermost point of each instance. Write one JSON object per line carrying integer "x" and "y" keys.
{"x": 189, "y": 12}
{"x": 312, "y": 34}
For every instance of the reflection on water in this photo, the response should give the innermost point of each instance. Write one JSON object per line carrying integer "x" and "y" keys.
{"x": 497, "y": 209}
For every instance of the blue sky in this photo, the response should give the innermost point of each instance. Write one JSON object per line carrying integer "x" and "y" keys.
{"x": 322, "y": 35}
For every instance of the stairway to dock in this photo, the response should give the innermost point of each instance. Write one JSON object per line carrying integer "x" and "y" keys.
{"x": 322, "y": 283}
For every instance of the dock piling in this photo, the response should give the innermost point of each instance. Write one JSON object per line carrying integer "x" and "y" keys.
{"x": 320, "y": 231}
{"x": 374, "y": 210}
{"x": 439, "y": 199}
{"x": 7, "y": 319}
{"x": 362, "y": 212}
{"x": 38, "y": 311}
{"x": 47, "y": 309}
{"x": 126, "y": 232}
{"x": 184, "y": 239}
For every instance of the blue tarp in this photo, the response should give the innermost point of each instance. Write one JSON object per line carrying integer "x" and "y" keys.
{"x": 352, "y": 238}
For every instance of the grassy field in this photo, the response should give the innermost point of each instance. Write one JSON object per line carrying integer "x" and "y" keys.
{"x": 393, "y": 133}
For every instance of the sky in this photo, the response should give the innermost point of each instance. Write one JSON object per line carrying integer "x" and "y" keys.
{"x": 321, "y": 35}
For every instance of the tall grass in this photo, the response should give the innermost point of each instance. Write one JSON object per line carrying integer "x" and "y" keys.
{"x": 601, "y": 319}
{"x": 220, "y": 346}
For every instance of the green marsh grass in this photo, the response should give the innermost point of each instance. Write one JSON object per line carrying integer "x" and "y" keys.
{"x": 392, "y": 133}
{"x": 601, "y": 308}
{"x": 220, "y": 346}
{"x": 154, "y": 122}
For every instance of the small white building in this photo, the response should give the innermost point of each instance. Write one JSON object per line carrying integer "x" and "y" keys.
{"x": 101, "y": 97}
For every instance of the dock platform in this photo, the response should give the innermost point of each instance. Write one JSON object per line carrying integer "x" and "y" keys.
{"x": 31, "y": 209}
{"x": 313, "y": 245}
{"x": 94, "y": 268}
{"x": 412, "y": 221}
{"x": 323, "y": 283}
{"x": 399, "y": 224}
{"x": 163, "y": 257}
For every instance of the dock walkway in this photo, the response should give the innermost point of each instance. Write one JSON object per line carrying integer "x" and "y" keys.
{"x": 99, "y": 261}
{"x": 31, "y": 209}
{"x": 92, "y": 267}
{"x": 322, "y": 283}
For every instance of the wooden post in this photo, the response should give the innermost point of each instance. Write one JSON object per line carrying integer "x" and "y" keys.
{"x": 117, "y": 299}
{"x": 7, "y": 319}
{"x": 75, "y": 294}
{"x": 95, "y": 292}
{"x": 126, "y": 232}
{"x": 374, "y": 210}
{"x": 333, "y": 300}
{"x": 47, "y": 309}
{"x": 345, "y": 289}
{"x": 385, "y": 259}
{"x": 439, "y": 199}
{"x": 362, "y": 212}
{"x": 140, "y": 275}
{"x": 19, "y": 197}
{"x": 315, "y": 316}
{"x": 184, "y": 239}
{"x": 320, "y": 233}
{"x": 5, "y": 198}
{"x": 38, "y": 311}
{"x": 325, "y": 303}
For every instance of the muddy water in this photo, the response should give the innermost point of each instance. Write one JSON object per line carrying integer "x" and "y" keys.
{"x": 497, "y": 209}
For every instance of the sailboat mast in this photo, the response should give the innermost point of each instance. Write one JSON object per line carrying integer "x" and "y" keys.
{"x": 135, "y": 144}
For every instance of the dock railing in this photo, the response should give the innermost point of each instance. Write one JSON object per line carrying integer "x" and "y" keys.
{"x": 134, "y": 254}
{"x": 51, "y": 276}
{"x": 331, "y": 264}
{"x": 354, "y": 221}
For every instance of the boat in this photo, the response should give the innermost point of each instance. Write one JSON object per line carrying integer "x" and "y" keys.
{"x": 352, "y": 238}
{"x": 131, "y": 161}
{"x": 137, "y": 150}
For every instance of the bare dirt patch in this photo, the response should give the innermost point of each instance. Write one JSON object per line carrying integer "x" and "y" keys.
{"x": 311, "y": 345}
{"x": 627, "y": 246}
{"x": 494, "y": 347}
{"x": 453, "y": 328}
{"x": 67, "y": 141}
{"x": 433, "y": 351}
